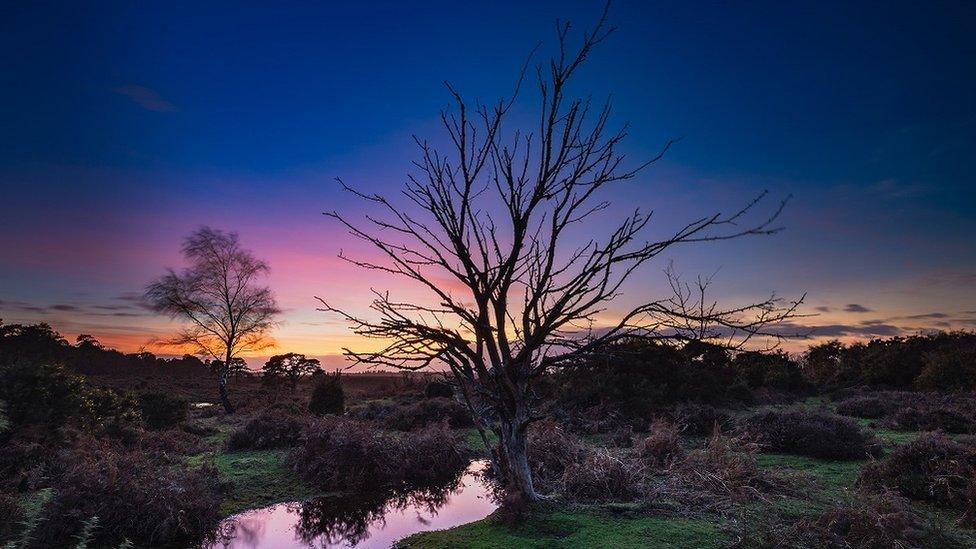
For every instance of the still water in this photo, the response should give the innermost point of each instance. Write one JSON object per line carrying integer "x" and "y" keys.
{"x": 376, "y": 522}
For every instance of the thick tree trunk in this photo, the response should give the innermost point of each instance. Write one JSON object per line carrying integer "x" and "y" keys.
{"x": 514, "y": 460}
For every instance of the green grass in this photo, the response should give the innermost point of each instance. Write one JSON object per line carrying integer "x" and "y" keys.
{"x": 255, "y": 478}
{"x": 832, "y": 474}
{"x": 592, "y": 527}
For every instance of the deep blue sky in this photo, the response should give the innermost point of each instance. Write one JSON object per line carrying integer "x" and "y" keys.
{"x": 124, "y": 125}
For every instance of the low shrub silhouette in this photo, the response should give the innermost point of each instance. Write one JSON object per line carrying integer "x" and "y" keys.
{"x": 439, "y": 389}
{"x": 345, "y": 454}
{"x": 427, "y": 412}
{"x": 930, "y": 468}
{"x": 700, "y": 419}
{"x": 807, "y": 433}
{"x": 162, "y": 411}
{"x": 869, "y": 407}
{"x": 932, "y": 417}
{"x": 134, "y": 498}
{"x": 268, "y": 430}
{"x": 327, "y": 396}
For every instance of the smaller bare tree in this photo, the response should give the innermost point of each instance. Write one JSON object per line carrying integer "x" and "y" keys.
{"x": 226, "y": 311}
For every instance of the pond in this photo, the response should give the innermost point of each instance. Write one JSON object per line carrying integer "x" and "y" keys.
{"x": 367, "y": 522}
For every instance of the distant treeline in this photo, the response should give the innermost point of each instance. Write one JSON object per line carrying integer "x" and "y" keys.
{"x": 39, "y": 343}
{"x": 943, "y": 361}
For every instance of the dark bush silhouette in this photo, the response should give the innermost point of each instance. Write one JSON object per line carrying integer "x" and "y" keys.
{"x": 290, "y": 367}
{"x": 428, "y": 411}
{"x": 133, "y": 497}
{"x": 11, "y": 514}
{"x": 162, "y": 410}
{"x": 271, "y": 429}
{"x": 327, "y": 396}
{"x": 439, "y": 389}
{"x": 931, "y": 468}
{"x": 344, "y": 454}
{"x": 870, "y": 407}
{"x": 700, "y": 419}
{"x": 775, "y": 370}
{"x": 40, "y": 393}
{"x": 868, "y": 521}
{"x": 940, "y": 361}
{"x": 932, "y": 417}
{"x": 807, "y": 433}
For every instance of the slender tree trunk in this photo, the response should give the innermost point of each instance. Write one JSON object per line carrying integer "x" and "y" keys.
{"x": 514, "y": 459}
{"x": 222, "y": 385}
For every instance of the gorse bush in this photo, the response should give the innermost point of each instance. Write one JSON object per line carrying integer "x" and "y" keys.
{"x": 931, "y": 468}
{"x": 162, "y": 411}
{"x": 808, "y": 433}
{"x": 41, "y": 393}
{"x": 271, "y": 429}
{"x": 700, "y": 419}
{"x": 932, "y": 417}
{"x": 327, "y": 395}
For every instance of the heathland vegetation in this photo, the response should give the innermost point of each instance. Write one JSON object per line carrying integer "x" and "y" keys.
{"x": 683, "y": 446}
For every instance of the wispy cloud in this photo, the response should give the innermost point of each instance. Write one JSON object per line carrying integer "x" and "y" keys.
{"x": 146, "y": 98}
{"x": 856, "y": 308}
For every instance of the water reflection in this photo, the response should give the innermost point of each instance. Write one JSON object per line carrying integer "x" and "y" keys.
{"x": 368, "y": 521}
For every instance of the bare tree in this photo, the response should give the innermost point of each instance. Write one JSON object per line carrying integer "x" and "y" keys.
{"x": 226, "y": 312}
{"x": 492, "y": 215}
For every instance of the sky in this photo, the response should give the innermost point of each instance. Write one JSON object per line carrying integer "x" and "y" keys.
{"x": 125, "y": 126}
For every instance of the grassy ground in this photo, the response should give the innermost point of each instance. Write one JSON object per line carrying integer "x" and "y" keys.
{"x": 579, "y": 526}
{"x": 628, "y": 526}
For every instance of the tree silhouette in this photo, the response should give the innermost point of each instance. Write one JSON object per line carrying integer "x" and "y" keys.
{"x": 493, "y": 216}
{"x": 290, "y": 366}
{"x": 226, "y": 312}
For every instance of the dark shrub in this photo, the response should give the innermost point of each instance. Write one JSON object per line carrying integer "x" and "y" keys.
{"x": 930, "y": 468}
{"x": 923, "y": 417}
{"x": 870, "y": 407}
{"x": 952, "y": 368}
{"x": 343, "y": 454}
{"x": 133, "y": 497}
{"x": 11, "y": 514}
{"x": 662, "y": 447}
{"x": 870, "y": 522}
{"x": 427, "y": 412}
{"x": 550, "y": 450}
{"x": 162, "y": 410}
{"x": 37, "y": 393}
{"x": 431, "y": 454}
{"x": 106, "y": 406}
{"x": 601, "y": 477}
{"x": 439, "y": 389}
{"x": 725, "y": 471}
{"x": 774, "y": 370}
{"x": 374, "y": 410}
{"x": 807, "y": 433}
{"x": 700, "y": 419}
{"x": 327, "y": 396}
{"x": 268, "y": 430}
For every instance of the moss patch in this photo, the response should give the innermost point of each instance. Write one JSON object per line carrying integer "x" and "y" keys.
{"x": 254, "y": 478}
{"x": 578, "y": 527}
